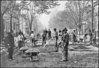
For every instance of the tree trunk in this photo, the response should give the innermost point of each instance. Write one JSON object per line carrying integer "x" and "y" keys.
{"x": 31, "y": 23}
{"x": 92, "y": 15}
{"x": 80, "y": 25}
{"x": 1, "y": 29}
{"x": 98, "y": 25}
{"x": 11, "y": 23}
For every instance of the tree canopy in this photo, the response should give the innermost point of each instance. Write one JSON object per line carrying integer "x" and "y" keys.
{"x": 75, "y": 13}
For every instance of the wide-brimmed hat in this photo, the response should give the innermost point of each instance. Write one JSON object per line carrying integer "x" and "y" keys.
{"x": 65, "y": 29}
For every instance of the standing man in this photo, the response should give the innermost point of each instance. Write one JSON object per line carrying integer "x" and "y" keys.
{"x": 60, "y": 41}
{"x": 49, "y": 34}
{"x": 32, "y": 38}
{"x": 44, "y": 38}
{"x": 91, "y": 36}
{"x": 65, "y": 39}
{"x": 74, "y": 37}
{"x": 56, "y": 39}
{"x": 10, "y": 44}
{"x": 20, "y": 40}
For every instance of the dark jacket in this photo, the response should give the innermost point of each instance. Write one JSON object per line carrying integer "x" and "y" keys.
{"x": 10, "y": 40}
{"x": 65, "y": 38}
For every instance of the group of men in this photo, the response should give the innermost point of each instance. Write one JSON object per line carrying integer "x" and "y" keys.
{"x": 45, "y": 36}
{"x": 63, "y": 38}
{"x": 62, "y": 35}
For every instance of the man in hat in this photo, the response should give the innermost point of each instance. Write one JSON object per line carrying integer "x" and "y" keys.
{"x": 65, "y": 39}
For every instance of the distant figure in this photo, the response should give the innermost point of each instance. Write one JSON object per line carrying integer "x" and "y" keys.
{"x": 85, "y": 37}
{"x": 46, "y": 33}
{"x": 20, "y": 40}
{"x": 32, "y": 38}
{"x": 91, "y": 36}
{"x": 10, "y": 44}
{"x": 60, "y": 35}
{"x": 38, "y": 36}
{"x": 49, "y": 34}
{"x": 56, "y": 39}
{"x": 74, "y": 37}
{"x": 20, "y": 32}
{"x": 65, "y": 39}
{"x": 44, "y": 37}
{"x": 94, "y": 37}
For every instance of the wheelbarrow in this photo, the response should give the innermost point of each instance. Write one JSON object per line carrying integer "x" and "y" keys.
{"x": 23, "y": 49}
{"x": 32, "y": 52}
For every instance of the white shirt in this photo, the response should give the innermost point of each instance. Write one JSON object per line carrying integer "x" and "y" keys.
{"x": 32, "y": 35}
{"x": 20, "y": 37}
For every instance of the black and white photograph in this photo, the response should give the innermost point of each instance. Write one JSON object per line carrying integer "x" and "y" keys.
{"x": 49, "y": 33}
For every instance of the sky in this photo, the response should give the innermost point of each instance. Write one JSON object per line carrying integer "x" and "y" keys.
{"x": 18, "y": 1}
{"x": 44, "y": 18}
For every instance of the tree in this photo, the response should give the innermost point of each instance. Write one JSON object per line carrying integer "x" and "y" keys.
{"x": 36, "y": 7}
{"x": 14, "y": 10}
{"x": 4, "y": 8}
{"x": 62, "y": 19}
{"x": 8, "y": 7}
{"x": 80, "y": 10}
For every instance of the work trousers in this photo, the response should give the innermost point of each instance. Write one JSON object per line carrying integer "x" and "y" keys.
{"x": 10, "y": 50}
{"x": 65, "y": 51}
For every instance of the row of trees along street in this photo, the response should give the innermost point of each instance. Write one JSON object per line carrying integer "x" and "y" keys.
{"x": 75, "y": 13}
{"x": 79, "y": 15}
{"x": 11, "y": 12}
